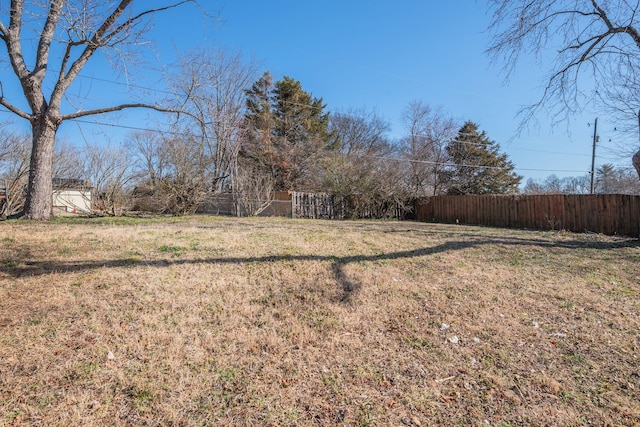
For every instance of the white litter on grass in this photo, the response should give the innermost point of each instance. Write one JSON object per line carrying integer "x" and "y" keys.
{"x": 558, "y": 335}
{"x": 536, "y": 324}
{"x": 454, "y": 339}
{"x": 444, "y": 327}
{"x": 111, "y": 356}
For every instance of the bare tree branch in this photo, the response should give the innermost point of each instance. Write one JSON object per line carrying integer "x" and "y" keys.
{"x": 603, "y": 35}
{"x": 15, "y": 110}
{"x": 120, "y": 107}
{"x": 592, "y": 32}
{"x": 44, "y": 45}
{"x": 102, "y": 38}
{"x": 14, "y": 49}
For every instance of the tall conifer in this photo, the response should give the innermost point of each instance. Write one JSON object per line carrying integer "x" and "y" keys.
{"x": 286, "y": 128}
{"x": 477, "y": 166}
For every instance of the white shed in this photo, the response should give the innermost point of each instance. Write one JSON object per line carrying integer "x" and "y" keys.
{"x": 71, "y": 196}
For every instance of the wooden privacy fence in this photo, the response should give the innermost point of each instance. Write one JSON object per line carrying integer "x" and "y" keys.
{"x": 600, "y": 213}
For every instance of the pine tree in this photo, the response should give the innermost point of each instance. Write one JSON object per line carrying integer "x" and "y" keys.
{"x": 286, "y": 128}
{"x": 257, "y": 150}
{"x": 299, "y": 116}
{"x": 477, "y": 166}
{"x": 605, "y": 178}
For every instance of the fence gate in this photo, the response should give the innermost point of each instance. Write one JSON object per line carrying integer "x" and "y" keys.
{"x": 317, "y": 206}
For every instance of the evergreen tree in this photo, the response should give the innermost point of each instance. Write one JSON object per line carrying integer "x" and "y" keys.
{"x": 299, "y": 116}
{"x": 477, "y": 166}
{"x": 257, "y": 151}
{"x": 286, "y": 129}
{"x": 605, "y": 178}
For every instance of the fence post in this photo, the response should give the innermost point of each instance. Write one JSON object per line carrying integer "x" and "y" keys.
{"x": 294, "y": 204}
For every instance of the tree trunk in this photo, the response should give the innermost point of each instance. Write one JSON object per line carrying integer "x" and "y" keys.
{"x": 38, "y": 205}
{"x": 636, "y": 162}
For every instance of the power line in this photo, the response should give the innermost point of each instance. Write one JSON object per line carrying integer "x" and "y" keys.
{"x": 121, "y": 126}
{"x": 396, "y": 159}
{"x": 370, "y": 157}
{"x": 445, "y": 164}
{"x": 128, "y": 127}
{"x": 550, "y": 152}
{"x": 166, "y": 92}
{"x": 296, "y": 104}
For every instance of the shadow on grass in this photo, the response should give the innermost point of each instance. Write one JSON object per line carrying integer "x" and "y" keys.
{"x": 28, "y": 268}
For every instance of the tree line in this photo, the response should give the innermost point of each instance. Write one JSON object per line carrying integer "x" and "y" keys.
{"x": 252, "y": 135}
{"x": 608, "y": 179}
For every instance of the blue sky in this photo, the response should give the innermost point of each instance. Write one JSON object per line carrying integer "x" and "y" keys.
{"x": 374, "y": 55}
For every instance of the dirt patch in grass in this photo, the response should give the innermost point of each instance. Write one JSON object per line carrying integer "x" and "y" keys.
{"x": 221, "y": 321}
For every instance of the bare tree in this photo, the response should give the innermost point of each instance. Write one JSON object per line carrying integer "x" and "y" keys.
{"x": 145, "y": 148}
{"x": 358, "y": 132}
{"x": 361, "y": 146}
{"x": 175, "y": 169}
{"x": 186, "y": 179}
{"x": 214, "y": 82}
{"x": 429, "y": 130}
{"x": 598, "y": 51}
{"x": 67, "y": 161}
{"x": 180, "y": 168}
{"x": 69, "y": 32}
{"x": 556, "y": 185}
{"x": 109, "y": 171}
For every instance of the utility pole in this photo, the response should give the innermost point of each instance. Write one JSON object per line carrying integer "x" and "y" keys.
{"x": 593, "y": 154}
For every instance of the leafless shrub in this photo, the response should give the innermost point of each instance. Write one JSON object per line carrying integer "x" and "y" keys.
{"x": 14, "y": 169}
{"x": 253, "y": 190}
{"x": 187, "y": 177}
{"x": 109, "y": 171}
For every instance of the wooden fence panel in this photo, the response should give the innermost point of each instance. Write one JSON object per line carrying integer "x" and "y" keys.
{"x": 633, "y": 205}
{"x": 602, "y": 213}
{"x": 539, "y": 212}
{"x": 585, "y": 207}
{"x": 504, "y": 212}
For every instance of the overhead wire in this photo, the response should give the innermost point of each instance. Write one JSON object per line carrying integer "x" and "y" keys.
{"x": 449, "y": 164}
{"x": 157, "y": 90}
{"x": 395, "y": 159}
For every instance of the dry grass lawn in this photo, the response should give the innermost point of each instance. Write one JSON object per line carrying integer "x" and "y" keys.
{"x": 271, "y": 322}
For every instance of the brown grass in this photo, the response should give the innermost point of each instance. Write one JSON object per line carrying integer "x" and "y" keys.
{"x": 211, "y": 321}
